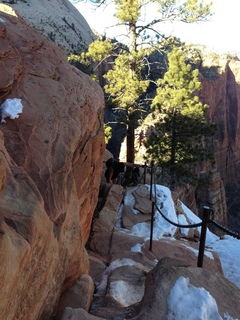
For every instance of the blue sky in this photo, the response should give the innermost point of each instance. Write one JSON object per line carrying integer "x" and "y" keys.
{"x": 221, "y": 33}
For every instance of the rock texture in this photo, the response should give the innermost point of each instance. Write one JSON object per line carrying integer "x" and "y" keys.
{"x": 58, "y": 21}
{"x": 50, "y": 169}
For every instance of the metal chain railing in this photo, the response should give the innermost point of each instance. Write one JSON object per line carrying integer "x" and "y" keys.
{"x": 195, "y": 225}
{"x": 203, "y": 224}
{"x": 230, "y": 232}
{"x": 168, "y": 220}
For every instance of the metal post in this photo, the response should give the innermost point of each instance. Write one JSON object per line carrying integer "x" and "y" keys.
{"x": 151, "y": 230}
{"x": 145, "y": 172}
{"x": 206, "y": 215}
{"x": 151, "y": 182}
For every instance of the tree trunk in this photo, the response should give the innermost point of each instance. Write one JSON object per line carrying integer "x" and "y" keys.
{"x": 131, "y": 123}
{"x": 130, "y": 143}
{"x": 173, "y": 153}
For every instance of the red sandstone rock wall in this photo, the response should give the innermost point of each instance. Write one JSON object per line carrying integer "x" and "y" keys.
{"x": 222, "y": 94}
{"x": 50, "y": 167}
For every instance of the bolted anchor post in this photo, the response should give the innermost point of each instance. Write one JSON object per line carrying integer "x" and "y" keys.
{"x": 206, "y": 216}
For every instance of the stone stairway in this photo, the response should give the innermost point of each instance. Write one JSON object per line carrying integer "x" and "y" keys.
{"x": 132, "y": 282}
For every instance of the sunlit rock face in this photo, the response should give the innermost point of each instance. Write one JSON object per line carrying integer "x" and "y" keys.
{"x": 50, "y": 167}
{"x": 58, "y": 21}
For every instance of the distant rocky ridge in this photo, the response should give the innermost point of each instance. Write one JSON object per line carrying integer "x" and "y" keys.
{"x": 58, "y": 21}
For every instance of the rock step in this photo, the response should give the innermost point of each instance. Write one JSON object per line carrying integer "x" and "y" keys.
{"x": 103, "y": 226}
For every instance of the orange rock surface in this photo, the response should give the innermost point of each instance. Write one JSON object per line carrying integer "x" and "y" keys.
{"x": 50, "y": 166}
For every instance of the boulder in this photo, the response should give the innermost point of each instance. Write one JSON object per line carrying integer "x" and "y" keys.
{"x": 50, "y": 167}
{"x": 97, "y": 267}
{"x": 161, "y": 279}
{"x": 79, "y": 295}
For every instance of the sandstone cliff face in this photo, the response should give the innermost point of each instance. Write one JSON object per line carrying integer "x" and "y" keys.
{"x": 58, "y": 21}
{"x": 50, "y": 167}
{"x": 222, "y": 94}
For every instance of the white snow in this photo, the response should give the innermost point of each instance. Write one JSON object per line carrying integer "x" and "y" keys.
{"x": 228, "y": 250}
{"x": 162, "y": 228}
{"x": 137, "y": 248}
{"x": 11, "y": 108}
{"x": 183, "y": 221}
{"x": 184, "y": 301}
{"x": 206, "y": 252}
{"x": 188, "y": 302}
{"x": 129, "y": 200}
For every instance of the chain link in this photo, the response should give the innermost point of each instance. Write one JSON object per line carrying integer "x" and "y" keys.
{"x": 230, "y": 232}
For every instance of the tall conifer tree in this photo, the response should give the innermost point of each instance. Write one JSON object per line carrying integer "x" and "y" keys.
{"x": 181, "y": 135}
{"x": 128, "y": 80}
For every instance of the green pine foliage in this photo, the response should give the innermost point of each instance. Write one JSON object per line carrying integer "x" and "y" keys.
{"x": 107, "y": 133}
{"x": 129, "y": 79}
{"x": 128, "y": 11}
{"x": 125, "y": 84}
{"x": 97, "y": 51}
{"x": 182, "y": 134}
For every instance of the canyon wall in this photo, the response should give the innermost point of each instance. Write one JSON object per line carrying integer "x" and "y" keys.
{"x": 221, "y": 91}
{"x": 50, "y": 166}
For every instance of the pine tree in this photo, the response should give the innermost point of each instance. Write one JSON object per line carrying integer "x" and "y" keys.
{"x": 129, "y": 79}
{"x": 182, "y": 132}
